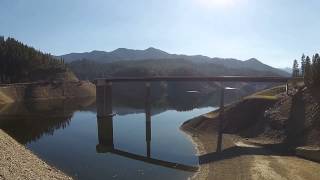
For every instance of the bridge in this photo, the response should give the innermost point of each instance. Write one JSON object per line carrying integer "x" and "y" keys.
{"x": 197, "y": 78}
{"x": 105, "y": 113}
{"x": 106, "y": 138}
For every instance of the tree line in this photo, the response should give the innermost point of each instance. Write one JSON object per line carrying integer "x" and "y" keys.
{"x": 309, "y": 69}
{"x": 21, "y": 63}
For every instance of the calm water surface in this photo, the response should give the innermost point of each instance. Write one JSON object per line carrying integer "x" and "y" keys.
{"x": 67, "y": 135}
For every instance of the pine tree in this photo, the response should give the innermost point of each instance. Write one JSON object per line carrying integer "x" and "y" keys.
{"x": 308, "y": 72}
{"x": 295, "y": 69}
{"x": 21, "y": 63}
{"x": 316, "y": 70}
{"x": 303, "y": 65}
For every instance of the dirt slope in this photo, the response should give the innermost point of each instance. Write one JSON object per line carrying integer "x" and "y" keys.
{"x": 261, "y": 126}
{"x": 45, "y": 91}
{"x": 16, "y": 162}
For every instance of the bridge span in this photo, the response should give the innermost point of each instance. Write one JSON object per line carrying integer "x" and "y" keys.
{"x": 196, "y": 78}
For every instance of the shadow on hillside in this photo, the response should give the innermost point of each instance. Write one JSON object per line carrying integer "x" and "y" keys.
{"x": 296, "y": 121}
{"x": 315, "y": 94}
{"x": 316, "y": 111}
{"x": 303, "y": 117}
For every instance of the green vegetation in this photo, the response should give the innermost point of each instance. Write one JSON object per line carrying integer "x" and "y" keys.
{"x": 265, "y": 97}
{"x": 310, "y": 70}
{"x": 21, "y": 63}
{"x": 272, "y": 91}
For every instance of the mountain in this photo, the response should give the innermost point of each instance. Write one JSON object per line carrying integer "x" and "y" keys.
{"x": 287, "y": 69}
{"x": 120, "y": 54}
{"x": 123, "y": 54}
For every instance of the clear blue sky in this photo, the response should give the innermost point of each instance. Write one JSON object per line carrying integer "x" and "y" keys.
{"x": 274, "y": 31}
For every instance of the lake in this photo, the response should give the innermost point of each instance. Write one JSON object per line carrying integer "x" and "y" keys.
{"x": 140, "y": 140}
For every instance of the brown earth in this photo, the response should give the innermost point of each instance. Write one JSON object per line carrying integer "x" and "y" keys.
{"x": 256, "y": 146}
{"x": 46, "y": 91}
{"x": 296, "y": 118}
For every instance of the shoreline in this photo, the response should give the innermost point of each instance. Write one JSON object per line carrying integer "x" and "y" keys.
{"x": 205, "y": 145}
{"x": 240, "y": 158}
{"x": 17, "y": 162}
{"x": 203, "y": 171}
{"x": 46, "y": 91}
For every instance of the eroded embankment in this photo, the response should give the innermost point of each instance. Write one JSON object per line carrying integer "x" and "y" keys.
{"x": 249, "y": 153}
{"x": 16, "y": 162}
{"x": 45, "y": 91}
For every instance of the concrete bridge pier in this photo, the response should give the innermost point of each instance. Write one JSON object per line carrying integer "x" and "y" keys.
{"x": 104, "y": 98}
{"x": 221, "y": 117}
{"x": 104, "y": 115}
{"x": 105, "y": 132}
{"x": 148, "y": 118}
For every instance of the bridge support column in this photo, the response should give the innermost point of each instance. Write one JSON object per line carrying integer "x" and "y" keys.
{"x": 105, "y": 134}
{"x": 104, "y": 116}
{"x": 108, "y": 99}
{"x": 104, "y": 98}
{"x": 148, "y": 118}
{"x": 221, "y": 117}
{"x": 100, "y": 85}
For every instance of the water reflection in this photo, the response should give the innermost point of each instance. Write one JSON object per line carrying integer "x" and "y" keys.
{"x": 148, "y": 119}
{"x": 29, "y": 121}
{"x": 121, "y": 132}
{"x": 105, "y": 131}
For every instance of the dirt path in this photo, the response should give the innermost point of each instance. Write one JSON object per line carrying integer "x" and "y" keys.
{"x": 16, "y": 162}
{"x": 240, "y": 160}
{"x": 283, "y": 168}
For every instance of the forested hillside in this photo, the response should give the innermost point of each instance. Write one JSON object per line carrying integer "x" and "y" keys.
{"x": 21, "y": 63}
{"x": 88, "y": 69}
{"x": 154, "y": 55}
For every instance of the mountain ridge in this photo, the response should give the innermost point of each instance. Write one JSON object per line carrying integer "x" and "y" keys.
{"x": 151, "y": 53}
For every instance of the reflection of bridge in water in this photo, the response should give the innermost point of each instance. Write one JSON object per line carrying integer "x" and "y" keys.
{"x": 105, "y": 114}
{"x": 105, "y": 131}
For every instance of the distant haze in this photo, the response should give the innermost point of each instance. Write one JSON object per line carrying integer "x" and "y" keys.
{"x": 156, "y": 56}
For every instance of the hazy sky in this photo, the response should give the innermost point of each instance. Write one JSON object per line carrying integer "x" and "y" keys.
{"x": 274, "y": 31}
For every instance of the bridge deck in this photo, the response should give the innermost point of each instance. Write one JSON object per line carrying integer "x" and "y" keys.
{"x": 105, "y": 149}
{"x": 197, "y": 78}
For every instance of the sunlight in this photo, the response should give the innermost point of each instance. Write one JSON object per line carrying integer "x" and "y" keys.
{"x": 217, "y": 3}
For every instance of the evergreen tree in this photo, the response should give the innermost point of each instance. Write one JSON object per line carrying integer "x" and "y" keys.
{"x": 295, "y": 69}
{"x": 316, "y": 70}
{"x": 20, "y": 63}
{"x": 308, "y": 71}
{"x": 303, "y": 64}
